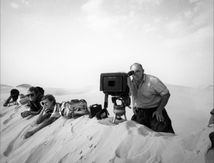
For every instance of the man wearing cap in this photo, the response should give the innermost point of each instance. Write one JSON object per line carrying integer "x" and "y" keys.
{"x": 149, "y": 98}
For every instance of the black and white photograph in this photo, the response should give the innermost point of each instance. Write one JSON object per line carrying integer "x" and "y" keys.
{"x": 106, "y": 81}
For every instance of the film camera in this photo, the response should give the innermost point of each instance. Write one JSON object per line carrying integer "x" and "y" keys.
{"x": 115, "y": 84}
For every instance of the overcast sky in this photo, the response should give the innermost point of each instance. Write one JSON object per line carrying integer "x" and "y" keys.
{"x": 68, "y": 43}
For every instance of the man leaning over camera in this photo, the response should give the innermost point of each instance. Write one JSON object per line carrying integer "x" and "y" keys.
{"x": 149, "y": 98}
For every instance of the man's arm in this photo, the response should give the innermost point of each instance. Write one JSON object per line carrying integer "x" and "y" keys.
{"x": 44, "y": 124}
{"x": 7, "y": 101}
{"x": 35, "y": 112}
{"x": 132, "y": 87}
{"x": 158, "y": 112}
{"x": 164, "y": 101}
{"x": 41, "y": 117}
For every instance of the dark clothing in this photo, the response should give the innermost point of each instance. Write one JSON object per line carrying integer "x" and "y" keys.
{"x": 7, "y": 101}
{"x": 35, "y": 109}
{"x": 43, "y": 118}
{"x": 11, "y": 99}
{"x": 35, "y": 106}
{"x": 144, "y": 117}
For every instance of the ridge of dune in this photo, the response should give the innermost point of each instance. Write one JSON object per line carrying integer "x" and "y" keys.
{"x": 26, "y": 86}
{"x": 90, "y": 140}
{"x": 5, "y": 85}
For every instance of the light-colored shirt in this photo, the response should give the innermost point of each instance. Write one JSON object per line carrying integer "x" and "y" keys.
{"x": 57, "y": 111}
{"x": 147, "y": 94}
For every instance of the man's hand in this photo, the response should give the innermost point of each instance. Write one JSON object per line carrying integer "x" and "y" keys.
{"x": 43, "y": 109}
{"x": 159, "y": 116}
{"x": 25, "y": 114}
{"x": 29, "y": 134}
{"x": 129, "y": 82}
{"x": 134, "y": 110}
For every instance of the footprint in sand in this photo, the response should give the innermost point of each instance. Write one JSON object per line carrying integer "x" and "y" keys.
{"x": 63, "y": 158}
{"x": 90, "y": 138}
{"x": 81, "y": 157}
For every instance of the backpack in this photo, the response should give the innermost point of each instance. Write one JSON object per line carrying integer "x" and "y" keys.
{"x": 74, "y": 108}
{"x": 103, "y": 113}
{"x": 94, "y": 109}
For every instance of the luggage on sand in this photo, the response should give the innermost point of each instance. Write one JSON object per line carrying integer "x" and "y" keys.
{"x": 94, "y": 109}
{"x": 74, "y": 108}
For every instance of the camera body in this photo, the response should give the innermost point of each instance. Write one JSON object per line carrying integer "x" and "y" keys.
{"x": 114, "y": 84}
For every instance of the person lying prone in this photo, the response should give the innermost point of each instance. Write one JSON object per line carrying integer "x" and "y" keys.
{"x": 50, "y": 113}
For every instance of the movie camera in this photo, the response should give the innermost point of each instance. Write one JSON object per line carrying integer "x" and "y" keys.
{"x": 115, "y": 84}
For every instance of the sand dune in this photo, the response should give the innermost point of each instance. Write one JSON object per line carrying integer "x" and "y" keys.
{"x": 26, "y": 86}
{"x": 89, "y": 140}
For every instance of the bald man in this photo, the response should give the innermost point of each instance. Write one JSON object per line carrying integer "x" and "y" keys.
{"x": 149, "y": 98}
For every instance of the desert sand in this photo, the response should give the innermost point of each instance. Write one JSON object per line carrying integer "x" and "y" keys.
{"x": 90, "y": 140}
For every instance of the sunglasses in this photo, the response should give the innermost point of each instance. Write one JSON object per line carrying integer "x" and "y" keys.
{"x": 31, "y": 95}
{"x": 43, "y": 103}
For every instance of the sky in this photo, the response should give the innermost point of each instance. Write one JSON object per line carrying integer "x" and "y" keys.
{"x": 69, "y": 43}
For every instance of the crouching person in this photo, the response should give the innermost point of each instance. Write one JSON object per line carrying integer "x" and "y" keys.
{"x": 48, "y": 115}
{"x": 149, "y": 97}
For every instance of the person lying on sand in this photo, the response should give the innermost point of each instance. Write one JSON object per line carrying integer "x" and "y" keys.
{"x": 50, "y": 113}
{"x": 12, "y": 99}
{"x": 34, "y": 95}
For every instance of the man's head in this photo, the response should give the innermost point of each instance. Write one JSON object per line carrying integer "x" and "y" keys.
{"x": 32, "y": 94}
{"x": 138, "y": 71}
{"x": 48, "y": 101}
{"x": 41, "y": 92}
{"x": 14, "y": 93}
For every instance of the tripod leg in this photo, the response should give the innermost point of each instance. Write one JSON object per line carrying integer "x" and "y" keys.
{"x": 125, "y": 116}
{"x": 106, "y": 101}
{"x": 114, "y": 118}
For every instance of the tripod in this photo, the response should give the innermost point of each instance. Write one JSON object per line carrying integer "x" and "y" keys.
{"x": 120, "y": 103}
